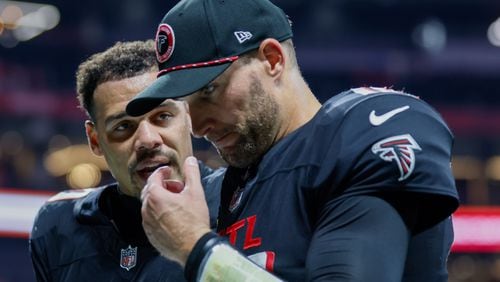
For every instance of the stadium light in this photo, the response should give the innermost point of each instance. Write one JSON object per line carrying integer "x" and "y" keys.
{"x": 494, "y": 33}
{"x": 25, "y": 20}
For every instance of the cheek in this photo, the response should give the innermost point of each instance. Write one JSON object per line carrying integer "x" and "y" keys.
{"x": 118, "y": 155}
{"x": 235, "y": 111}
{"x": 178, "y": 136}
{"x": 237, "y": 96}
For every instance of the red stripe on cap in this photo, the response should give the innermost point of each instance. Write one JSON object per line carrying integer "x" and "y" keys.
{"x": 199, "y": 65}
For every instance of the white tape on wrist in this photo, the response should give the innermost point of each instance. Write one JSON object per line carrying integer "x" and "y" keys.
{"x": 223, "y": 263}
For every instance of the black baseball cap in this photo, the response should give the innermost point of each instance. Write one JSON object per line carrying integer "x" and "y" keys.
{"x": 197, "y": 40}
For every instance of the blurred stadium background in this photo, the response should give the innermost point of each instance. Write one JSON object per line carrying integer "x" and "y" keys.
{"x": 447, "y": 52}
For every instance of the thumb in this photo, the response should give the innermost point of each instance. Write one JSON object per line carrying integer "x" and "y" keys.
{"x": 159, "y": 175}
{"x": 192, "y": 173}
{"x": 174, "y": 185}
{"x": 156, "y": 180}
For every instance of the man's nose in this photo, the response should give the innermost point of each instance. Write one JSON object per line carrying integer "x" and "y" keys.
{"x": 147, "y": 137}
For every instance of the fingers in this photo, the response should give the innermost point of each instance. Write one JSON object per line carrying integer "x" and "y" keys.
{"x": 192, "y": 172}
{"x": 160, "y": 178}
{"x": 160, "y": 174}
{"x": 173, "y": 185}
{"x": 155, "y": 180}
{"x": 175, "y": 215}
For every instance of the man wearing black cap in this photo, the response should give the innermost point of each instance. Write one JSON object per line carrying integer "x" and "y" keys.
{"x": 357, "y": 189}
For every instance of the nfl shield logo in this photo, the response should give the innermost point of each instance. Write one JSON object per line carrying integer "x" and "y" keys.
{"x": 128, "y": 257}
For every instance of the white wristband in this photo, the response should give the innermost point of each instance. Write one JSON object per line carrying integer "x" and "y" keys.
{"x": 223, "y": 263}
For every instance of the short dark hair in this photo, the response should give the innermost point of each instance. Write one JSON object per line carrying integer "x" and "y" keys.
{"x": 123, "y": 60}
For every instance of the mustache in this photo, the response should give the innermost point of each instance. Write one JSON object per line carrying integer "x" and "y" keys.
{"x": 153, "y": 153}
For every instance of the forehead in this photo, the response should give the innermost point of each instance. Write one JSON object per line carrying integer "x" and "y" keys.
{"x": 111, "y": 98}
{"x": 113, "y": 95}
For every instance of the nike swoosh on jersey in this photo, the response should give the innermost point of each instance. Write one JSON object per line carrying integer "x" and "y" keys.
{"x": 377, "y": 120}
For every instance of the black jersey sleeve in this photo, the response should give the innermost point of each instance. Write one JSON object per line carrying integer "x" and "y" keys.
{"x": 45, "y": 242}
{"x": 40, "y": 238}
{"x": 360, "y": 238}
{"x": 364, "y": 238}
{"x": 39, "y": 260}
{"x": 392, "y": 145}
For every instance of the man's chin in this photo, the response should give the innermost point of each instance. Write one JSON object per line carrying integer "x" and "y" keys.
{"x": 138, "y": 184}
{"x": 134, "y": 191}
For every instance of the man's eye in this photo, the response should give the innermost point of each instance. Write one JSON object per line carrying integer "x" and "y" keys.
{"x": 122, "y": 127}
{"x": 165, "y": 116}
{"x": 209, "y": 89}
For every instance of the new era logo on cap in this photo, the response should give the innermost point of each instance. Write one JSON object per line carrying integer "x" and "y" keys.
{"x": 242, "y": 36}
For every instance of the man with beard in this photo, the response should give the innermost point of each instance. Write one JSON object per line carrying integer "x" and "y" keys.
{"x": 357, "y": 189}
{"x": 96, "y": 234}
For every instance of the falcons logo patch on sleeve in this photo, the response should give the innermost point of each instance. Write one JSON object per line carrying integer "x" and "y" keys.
{"x": 400, "y": 149}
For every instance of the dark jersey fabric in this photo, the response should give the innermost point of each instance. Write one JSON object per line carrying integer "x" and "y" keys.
{"x": 79, "y": 236}
{"x": 287, "y": 212}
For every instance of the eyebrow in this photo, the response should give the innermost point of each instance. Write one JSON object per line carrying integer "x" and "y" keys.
{"x": 120, "y": 115}
{"x": 168, "y": 103}
{"x": 111, "y": 118}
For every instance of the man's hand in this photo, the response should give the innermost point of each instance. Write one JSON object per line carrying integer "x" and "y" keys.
{"x": 175, "y": 216}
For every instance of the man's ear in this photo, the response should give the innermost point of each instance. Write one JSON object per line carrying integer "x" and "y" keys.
{"x": 271, "y": 51}
{"x": 92, "y": 138}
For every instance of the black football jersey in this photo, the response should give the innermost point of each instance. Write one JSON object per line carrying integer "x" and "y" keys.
{"x": 96, "y": 235}
{"x": 366, "y": 141}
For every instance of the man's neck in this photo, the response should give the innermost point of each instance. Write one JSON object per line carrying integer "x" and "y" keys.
{"x": 299, "y": 106}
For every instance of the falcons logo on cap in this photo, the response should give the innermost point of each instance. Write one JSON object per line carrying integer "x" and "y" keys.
{"x": 400, "y": 149}
{"x": 165, "y": 42}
